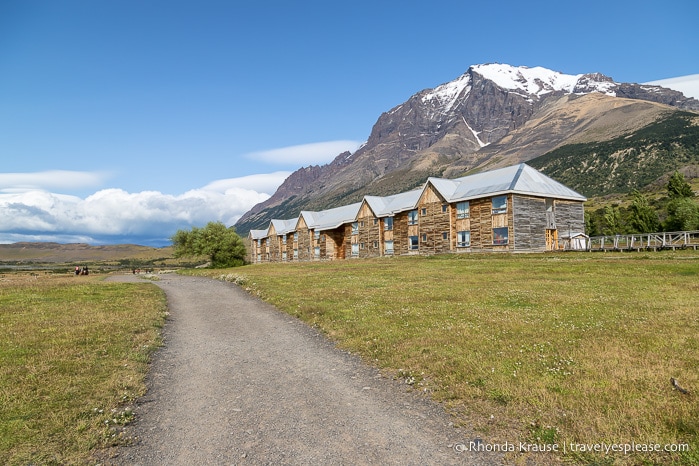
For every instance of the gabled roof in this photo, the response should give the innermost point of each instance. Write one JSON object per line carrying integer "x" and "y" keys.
{"x": 520, "y": 179}
{"x": 282, "y": 227}
{"x": 331, "y": 218}
{"x": 388, "y": 206}
{"x": 257, "y": 234}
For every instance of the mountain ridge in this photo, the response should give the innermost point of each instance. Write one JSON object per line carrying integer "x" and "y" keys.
{"x": 490, "y": 116}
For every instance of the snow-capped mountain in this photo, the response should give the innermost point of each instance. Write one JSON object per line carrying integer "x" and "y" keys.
{"x": 492, "y": 114}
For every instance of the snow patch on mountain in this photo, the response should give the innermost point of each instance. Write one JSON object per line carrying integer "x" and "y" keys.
{"x": 447, "y": 94}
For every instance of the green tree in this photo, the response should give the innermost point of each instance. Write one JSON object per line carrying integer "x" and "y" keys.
{"x": 643, "y": 218}
{"x": 221, "y": 245}
{"x": 682, "y": 215}
{"x": 612, "y": 220}
{"x": 678, "y": 187}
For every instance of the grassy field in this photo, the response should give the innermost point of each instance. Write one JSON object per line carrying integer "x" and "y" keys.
{"x": 73, "y": 355}
{"x": 547, "y": 349}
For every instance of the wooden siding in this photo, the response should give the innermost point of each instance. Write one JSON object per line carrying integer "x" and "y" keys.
{"x": 570, "y": 216}
{"x": 433, "y": 222}
{"x": 400, "y": 233}
{"x": 529, "y": 223}
{"x": 304, "y": 241}
{"x": 368, "y": 235}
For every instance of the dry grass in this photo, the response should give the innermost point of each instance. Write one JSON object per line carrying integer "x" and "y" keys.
{"x": 534, "y": 348}
{"x": 73, "y": 355}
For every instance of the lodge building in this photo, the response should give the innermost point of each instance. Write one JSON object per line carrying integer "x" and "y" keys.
{"x": 515, "y": 209}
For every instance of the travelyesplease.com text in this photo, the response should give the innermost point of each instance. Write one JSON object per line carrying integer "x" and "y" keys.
{"x": 606, "y": 448}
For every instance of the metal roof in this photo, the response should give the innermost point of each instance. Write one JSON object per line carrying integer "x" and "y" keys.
{"x": 282, "y": 227}
{"x": 331, "y": 218}
{"x": 258, "y": 234}
{"x": 520, "y": 179}
{"x": 389, "y": 205}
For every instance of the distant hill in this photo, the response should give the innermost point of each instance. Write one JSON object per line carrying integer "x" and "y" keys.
{"x": 496, "y": 115}
{"x": 77, "y": 253}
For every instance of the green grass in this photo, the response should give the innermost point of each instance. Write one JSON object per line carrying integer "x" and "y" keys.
{"x": 575, "y": 347}
{"x": 73, "y": 355}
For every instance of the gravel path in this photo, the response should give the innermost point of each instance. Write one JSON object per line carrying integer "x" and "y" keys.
{"x": 238, "y": 382}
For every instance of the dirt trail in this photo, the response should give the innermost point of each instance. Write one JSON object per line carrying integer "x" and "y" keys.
{"x": 238, "y": 382}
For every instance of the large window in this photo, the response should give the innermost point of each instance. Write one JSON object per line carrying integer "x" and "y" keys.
{"x": 499, "y": 204}
{"x": 355, "y": 249}
{"x": 355, "y": 228}
{"x": 296, "y": 253}
{"x": 500, "y": 236}
{"x": 462, "y": 209}
{"x": 388, "y": 223}
{"x": 463, "y": 239}
{"x": 414, "y": 244}
{"x": 388, "y": 245}
{"x": 296, "y": 236}
{"x": 316, "y": 235}
{"x": 316, "y": 252}
{"x": 412, "y": 217}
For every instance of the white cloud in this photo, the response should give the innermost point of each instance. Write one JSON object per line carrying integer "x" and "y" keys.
{"x": 115, "y": 213}
{"x": 50, "y": 179}
{"x": 688, "y": 85}
{"x": 305, "y": 154}
{"x": 264, "y": 183}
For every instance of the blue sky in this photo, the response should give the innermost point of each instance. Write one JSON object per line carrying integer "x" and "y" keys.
{"x": 123, "y": 121}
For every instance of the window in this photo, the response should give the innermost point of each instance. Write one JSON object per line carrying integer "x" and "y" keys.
{"x": 316, "y": 252}
{"x": 388, "y": 246}
{"x": 445, "y": 235}
{"x": 444, "y": 208}
{"x": 296, "y": 253}
{"x": 424, "y": 237}
{"x": 388, "y": 223}
{"x": 259, "y": 243}
{"x": 376, "y": 244}
{"x": 500, "y": 236}
{"x": 355, "y": 249}
{"x": 424, "y": 211}
{"x": 463, "y": 239}
{"x": 284, "y": 256}
{"x": 355, "y": 228}
{"x": 259, "y": 258}
{"x": 462, "y": 209}
{"x": 361, "y": 224}
{"x": 412, "y": 217}
{"x": 296, "y": 236}
{"x": 376, "y": 221}
{"x": 413, "y": 242}
{"x": 316, "y": 235}
{"x": 284, "y": 240}
{"x": 499, "y": 204}
{"x": 361, "y": 245}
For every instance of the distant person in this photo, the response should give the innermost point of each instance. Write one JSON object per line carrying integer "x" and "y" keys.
{"x": 77, "y": 270}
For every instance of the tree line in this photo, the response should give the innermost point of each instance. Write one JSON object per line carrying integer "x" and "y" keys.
{"x": 678, "y": 210}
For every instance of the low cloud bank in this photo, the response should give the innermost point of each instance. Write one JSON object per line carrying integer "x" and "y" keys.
{"x": 115, "y": 216}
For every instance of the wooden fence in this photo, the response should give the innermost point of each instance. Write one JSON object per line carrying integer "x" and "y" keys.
{"x": 645, "y": 241}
